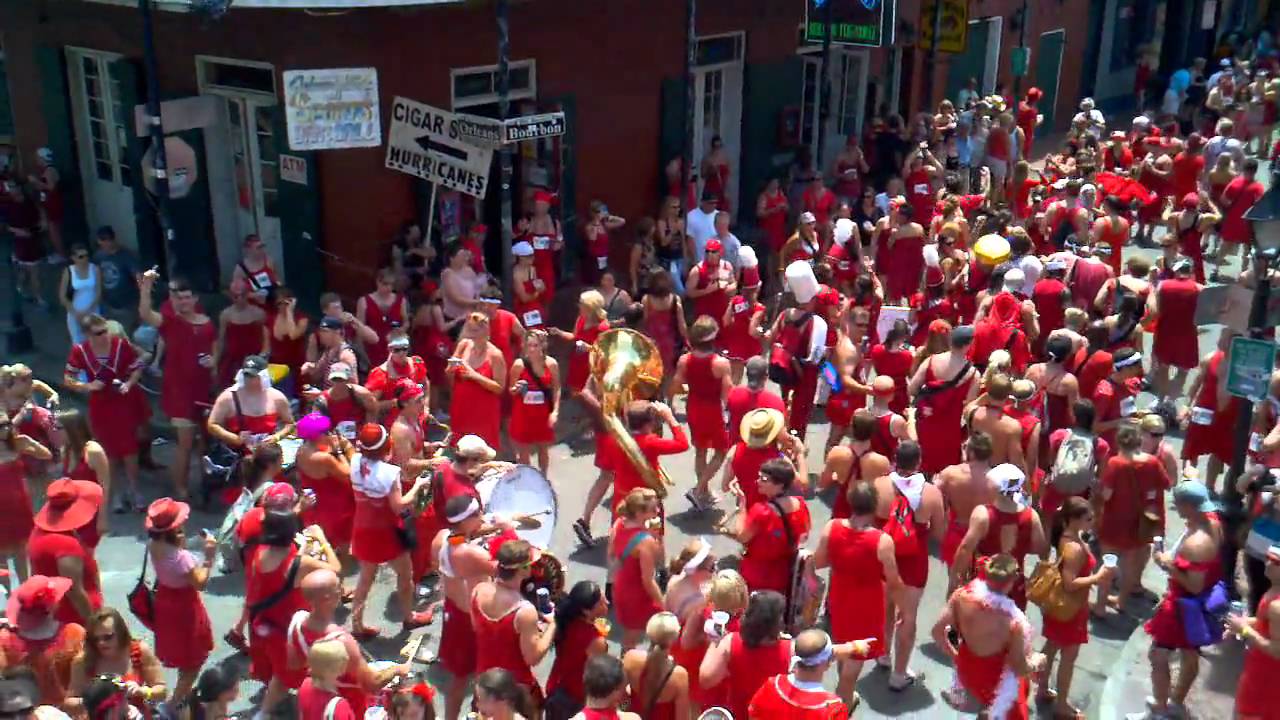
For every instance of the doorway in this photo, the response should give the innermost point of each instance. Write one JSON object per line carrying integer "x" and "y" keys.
{"x": 101, "y": 132}
{"x": 980, "y": 59}
{"x": 717, "y": 103}
{"x": 243, "y": 158}
{"x": 848, "y": 101}
{"x": 1049, "y": 72}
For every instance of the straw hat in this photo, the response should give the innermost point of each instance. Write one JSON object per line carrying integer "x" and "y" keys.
{"x": 760, "y": 427}
{"x": 474, "y": 447}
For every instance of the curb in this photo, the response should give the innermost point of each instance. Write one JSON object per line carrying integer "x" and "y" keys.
{"x": 1107, "y": 706}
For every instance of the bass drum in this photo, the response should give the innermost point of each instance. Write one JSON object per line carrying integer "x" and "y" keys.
{"x": 522, "y": 490}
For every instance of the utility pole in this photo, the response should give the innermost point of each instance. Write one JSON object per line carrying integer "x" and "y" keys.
{"x": 824, "y": 85}
{"x": 160, "y": 161}
{"x": 927, "y": 101}
{"x": 504, "y": 150}
{"x": 690, "y": 94}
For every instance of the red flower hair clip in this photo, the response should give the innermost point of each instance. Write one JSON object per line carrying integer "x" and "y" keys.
{"x": 424, "y": 691}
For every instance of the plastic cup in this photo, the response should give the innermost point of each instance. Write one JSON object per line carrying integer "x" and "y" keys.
{"x": 1110, "y": 560}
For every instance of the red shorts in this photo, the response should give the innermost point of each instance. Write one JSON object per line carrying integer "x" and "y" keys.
{"x": 457, "y": 642}
{"x": 914, "y": 569}
{"x": 951, "y": 541}
{"x": 707, "y": 425}
{"x": 841, "y": 407}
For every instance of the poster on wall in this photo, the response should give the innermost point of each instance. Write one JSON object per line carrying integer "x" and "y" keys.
{"x": 449, "y": 215}
{"x": 953, "y": 25}
{"x": 332, "y": 108}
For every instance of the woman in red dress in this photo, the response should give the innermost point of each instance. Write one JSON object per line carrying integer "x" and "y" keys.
{"x": 528, "y": 288}
{"x": 894, "y": 358}
{"x": 582, "y": 631}
{"x": 1112, "y": 231}
{"x": 383, "y": 310}
{"x": 592, "y": 321}
{"x": 324, "y": 468}
{"x": 1258, "y": 694}
{"x": 929, "y": 305}
{"x": 1133, "y": 484}
{"x": 905, "y": 243}
{"x": 430, "y": 341}
{"x": 771, "y": 214}
{"x": 664, "y": 320}
{"x": 16, "y": 525}
{"x": 715, "y": 174}
{"x": 1211, "y": 415}
{"x": 288, "y": 338}
{"x": 544, "y": 234}
{"x": 740, "y": 662}
{"x": 184, "y": 635}
{"x": 772, "y": 531}
{"x": 376, "y": 532}
{"x": 706, "y": 373}
{"x": 535, "y": 400}
{"x": 273, "y": 573}
{"x": 84, "y": 459}
{"x": 1060, "y": 389}
{"x": 242, "y": 331}
{"x": 1080, "y": 572}
{"x": 743, "y": 321}
{"x": 863, "y": 572}
{"x": 479, "y": 374}
{"x": 110, "y": 369}
{"x": 869, "y": 294}
{"x": 1194, "y": 567}
{"x": 659, "y": 685}
{"x": 635, "y": 554}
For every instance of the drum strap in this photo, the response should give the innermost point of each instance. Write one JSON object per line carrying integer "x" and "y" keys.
{"x": 632, "y": 544}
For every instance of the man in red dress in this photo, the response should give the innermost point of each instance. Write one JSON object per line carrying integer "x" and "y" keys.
{"x": 706, "y": 373}
{"x": 1116, "y": 397}
{"x": 640, "y": 420}
{"x": 1029, "y": 118}
{"x": 745, "y": 398}
{"x": 62, "y": 545}
{"x": 800, "y": 333}
{"x": 711, "y": 282}
{"x": 463, "y": 565}
{"x": 800, "y": 695}
{"x": 1240, "y": 194}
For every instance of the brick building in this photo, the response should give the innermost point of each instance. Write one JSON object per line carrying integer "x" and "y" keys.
{"x": 615, "y": 68}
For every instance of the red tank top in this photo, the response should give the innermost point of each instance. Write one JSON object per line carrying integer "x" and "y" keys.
{"x": 997, "y": 520}
{"x": 345, "y": 410}
{"x": 260, "y": 584}
{"x": 703, "y": 384}
{"x": 883, "y": 440}
{"x": 286, "y": 350}
{"x": 1047, "y": 297}
{"x": 498, "y": 643}
{"x": 840, "y": 507}
{"x": 750, "y": 667}
{"x": 1178, "y": 298}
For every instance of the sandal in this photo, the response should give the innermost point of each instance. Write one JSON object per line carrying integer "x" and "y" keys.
{"x": 235, "y": 639}
{"x": 583, "y": 531}
{"x": 365, "y": 632}
{"x": 1070, "y": 713}
{"x": 912, "y": 679}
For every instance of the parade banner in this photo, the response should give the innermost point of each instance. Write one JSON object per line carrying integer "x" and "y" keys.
{"x": 332, "y": 109}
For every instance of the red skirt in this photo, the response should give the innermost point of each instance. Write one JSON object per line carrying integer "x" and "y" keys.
{"x": 1165, "y": 627}
{"x": 1175, "y": 348}
{"x": 457, "y": 642}
{"x": 1258, "y": 694}
{"x": 858, "y": 614}
{"x": 115, "y": 420}
{"x": 579, "y": 369}
{"x": 1216, "y": 439}
{"x": 16, "y": 524}
{"x": 530, "y": 424}
{"x": 374, "y": 538}
{"x": 706, "y": 424}
{"x": 184, "y": 636}
{"x": 1066, "y": 633}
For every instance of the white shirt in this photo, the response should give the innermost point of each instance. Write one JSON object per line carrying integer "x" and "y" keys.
{"x": 701, "y": 227}
{"x": 1097, "y": 123}
{"x": 1031, "y": 268}
{"x": 731, "y": 245}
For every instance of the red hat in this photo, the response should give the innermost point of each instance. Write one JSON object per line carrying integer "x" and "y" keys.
{"x": 371, "y": 436}
{"x": 1035, "y": 93}
{"x": 166, "y": 514}
{"x": 36, "y": 600}
{"x": 933, "y": 277}
{"x": 70, "y": 505}
{"x": 406, "y": 389}
{"x": 751, "y": 277}
{"x": 279, "y": 496}
{"x": 714, "y": 245}
{"x": 1190, "y": 201}
{"x": 542, "y": 196}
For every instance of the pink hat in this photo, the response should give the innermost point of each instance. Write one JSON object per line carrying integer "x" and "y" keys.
{"x": 313, "y": 425}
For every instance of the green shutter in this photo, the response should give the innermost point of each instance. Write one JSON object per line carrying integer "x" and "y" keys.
{"x": 671, "y": 131}
{"x": 55, "y": 106}
{"x": 569, "y": 261}
{"x": 769, "y": 89}
{"x": 128, "y": 74}
{"x": 299, "y": 207}
{"x": 6, "y": 103}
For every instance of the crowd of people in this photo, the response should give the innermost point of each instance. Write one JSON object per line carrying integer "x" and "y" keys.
{"x": 974, "y": 330}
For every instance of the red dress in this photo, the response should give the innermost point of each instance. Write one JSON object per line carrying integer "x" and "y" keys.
{"x": 287, "y": 351}
{"x": 335, "y": 506}
{"x": 382, "y": 321}
{"x": 185, "y": 381}
{"x": 897, "y": 365}
{"x": 927, "y": 310}
{"x": 473, "y": 409}
{"x": 345, "y": 413}
{"x": 690, "y": 658}
{"x": 498, "y": 646}
{"x": 938, "y": 418}
{"x": 750, "y": 667}
{"x": 1052, "y": 311}
{"x": 775, "y": 229}
{"x": 780, "y": 699}
{"x": 902, "y": 279}
{"x": 301, "y": 639}
{"x": 736, "y": 338}
{"x": 1165, "y": 627}
{"x": 714, "y": 303}
{"x": 632, "y": 606}
{"x": 15, "y": 524}
{"x": 883, "y": 440}
{"x": 705, "y": 407}
{"x": 268, "y": 629}
{"x": 184, "y": 636}
{"x": 1211, "y": 430}
{"x": 239, "y": 341}
{"x": 966, "y": 297}
{"x": 531, "y": 412}
{"x": 1239, "y": 195}
{"x": 502, "y": 335}
{"x": 531, "y": 312}
{"x": 992, "y": 544}
{"x": 1136, "y": 487}
{"x": 382, "y": 382}
{"x": 579, "y": 358}
{"x": 571, "y": 659}
{"x": 313, "y": 704}
{"x": 373, "y": 529}
{"x": 1114, "y": 234}
{"x": 990, "y": 681}
{"x": 1258, "y": 693}
{"x": 1175, "y": 342}
{"x": 644, "y": 700}
{"x": 44, "y": 549}
{"x": 767, "y": 558}
{"x": 113, "y": 417}
{"x": 1065, "y": 633}
{"x": 856, "y": 601}
{"x": 544, "y": 263}
{"x": 920, "y": 197}
{"x": 433, "y": 345}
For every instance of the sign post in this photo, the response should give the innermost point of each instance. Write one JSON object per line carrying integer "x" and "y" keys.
{"x": 1249, "y": 374}
{"x": 428, "y": 143}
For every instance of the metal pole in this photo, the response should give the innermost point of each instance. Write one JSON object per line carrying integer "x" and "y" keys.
{"x": 504, "y": 152}
{"x": 690, "y": 95}
{"x": 431, "y": 215}
{"x": 1232, "y": 501}
{"x": 927, "y": 101}
{"x": 824, "y": 85}
{"x": 160, "y": 161}
{"x": 1022, "y": 43}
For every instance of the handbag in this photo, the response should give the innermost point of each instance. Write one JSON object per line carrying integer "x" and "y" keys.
{"x": 142, "y": 599}
{"x": 1046, "y": 589}
{"x": 1203, "y": 615}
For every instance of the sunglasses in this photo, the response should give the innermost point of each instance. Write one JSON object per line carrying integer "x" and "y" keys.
{"x": 100, "y": 332}
{"x": 399, "y": 349}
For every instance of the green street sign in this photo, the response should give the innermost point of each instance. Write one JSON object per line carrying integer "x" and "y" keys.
{"x": 1249, "y": 373}
{"x": 853, "y": 22}
{"x": 1019, "y": 60}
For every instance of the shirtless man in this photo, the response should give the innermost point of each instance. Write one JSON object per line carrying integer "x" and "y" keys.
{"x": 986, "y": 414}
{"x": 463, "y": 565}
{"x": 251, "y": 412}
{"x": 519, "y": 644}
{"x": 1023, "y": 395}
{"x": 903, "y": 494}
{"x": 994, "y": 656}
{"x": 849, "y": 361}
{"x": 1005, "y": 526}
{"x": 323, "y": 593}
{"x": 853, "y": 463}
{"x": 964, "y": 486}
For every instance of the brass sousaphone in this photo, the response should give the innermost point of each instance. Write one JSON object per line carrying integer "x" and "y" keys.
{"x": 626, "y": 366}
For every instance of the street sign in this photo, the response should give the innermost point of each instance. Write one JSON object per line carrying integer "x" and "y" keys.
{"x": 853, "y": 22}
{"x": 533, "y": 127}
{"x": 479, "y": 131}
{"x": 1249, "y": 374}
{"x": 954, "y": 25}
{"x": 428, "y": 142}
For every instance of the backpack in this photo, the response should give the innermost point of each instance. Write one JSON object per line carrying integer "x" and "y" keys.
{"x": 784, "y": 362}
{"x": 901, "y": 526}
{"x": 1073, "y": 466}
